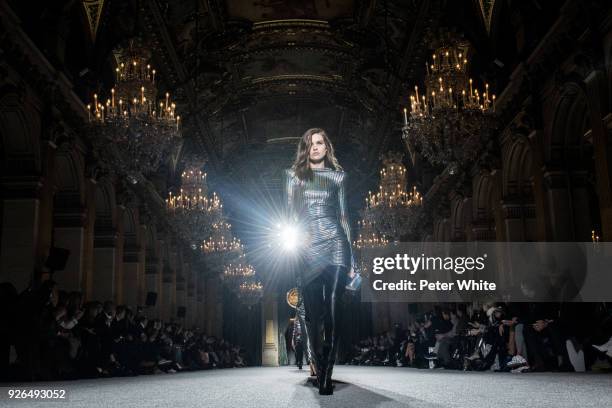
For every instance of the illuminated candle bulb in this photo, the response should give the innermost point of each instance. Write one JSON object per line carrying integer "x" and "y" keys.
{"x": 405, "y": 117}
{"x": 113, "y": 96}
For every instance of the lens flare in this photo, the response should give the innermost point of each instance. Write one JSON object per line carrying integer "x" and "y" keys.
{"x": 288, "y": 236}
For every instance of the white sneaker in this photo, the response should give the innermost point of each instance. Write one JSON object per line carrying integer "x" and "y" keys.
{"x": 576, "y": 358}
{"x": 516, "y": 362}
{"x": 604, "y": 347}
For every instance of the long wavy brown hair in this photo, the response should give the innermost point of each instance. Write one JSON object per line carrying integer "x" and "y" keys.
{"x": 301, "y": 165}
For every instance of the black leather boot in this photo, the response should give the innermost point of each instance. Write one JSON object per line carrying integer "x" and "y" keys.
{"x": 321, "y": 375}
{"x": 328, "y": 385}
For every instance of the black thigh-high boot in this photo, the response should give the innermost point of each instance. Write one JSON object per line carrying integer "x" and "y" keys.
{"x": 335, "y": 282}
{"x": 312, "y": 314}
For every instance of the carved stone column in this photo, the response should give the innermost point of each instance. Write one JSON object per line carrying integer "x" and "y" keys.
{"x": 153, "y": 273}
{"x": 131, "y": 276}
{"x": 181, "y": 291}
{"x": 69, "y": 233}
{"x": 20, "y": 230}
{"x": 190, "y": 304}
{"x": 269, "y": 329}
{"x": 168, "y": 310}
{"x": 519, "y": 220}
{"x": 105, "y": 271}
{"x": 88, "y": 238}
{"x": 559, "y": 205}
{"x": 214, "y": 307}
{"x": 601, "y": 129}
{"x": 543, "y": 230}
{"x": 201, "y": 301}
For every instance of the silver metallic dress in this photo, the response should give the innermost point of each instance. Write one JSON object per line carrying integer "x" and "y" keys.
{"x": 319, "y": 206}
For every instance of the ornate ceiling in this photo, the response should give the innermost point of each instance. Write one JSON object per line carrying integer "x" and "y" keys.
{"x": 248, "y": 72}
{"x": 248, "y": 76}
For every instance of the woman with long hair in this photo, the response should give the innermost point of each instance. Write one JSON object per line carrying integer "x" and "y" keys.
{"x": 316, "y": 198}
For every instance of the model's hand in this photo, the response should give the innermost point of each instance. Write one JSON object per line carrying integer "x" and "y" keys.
{"x": 351, "y": 273}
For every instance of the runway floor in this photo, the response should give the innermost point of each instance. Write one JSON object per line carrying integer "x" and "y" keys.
{"x": 356, "y": 387}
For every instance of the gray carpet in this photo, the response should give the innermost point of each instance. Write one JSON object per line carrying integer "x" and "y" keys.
{"x": 356, "y": 387}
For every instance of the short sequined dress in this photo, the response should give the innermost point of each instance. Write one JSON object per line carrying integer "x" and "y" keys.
{"x": 319, "y": 206}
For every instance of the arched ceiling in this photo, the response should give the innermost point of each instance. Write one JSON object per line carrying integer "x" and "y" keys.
{"x": 247, "y": 72}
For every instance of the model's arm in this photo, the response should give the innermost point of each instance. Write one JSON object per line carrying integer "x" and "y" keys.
{"x": 289, "y": 194}
{"x": 343, "y": 215}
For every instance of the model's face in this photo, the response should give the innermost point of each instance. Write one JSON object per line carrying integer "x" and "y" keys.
{"x": 318, "y": 149}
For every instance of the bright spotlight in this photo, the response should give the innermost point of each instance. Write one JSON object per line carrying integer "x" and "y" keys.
{"x": 288, "y": 236}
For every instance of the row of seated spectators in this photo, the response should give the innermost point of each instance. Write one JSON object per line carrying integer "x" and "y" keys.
{"x": 54, "y": 337}
{"x": 520, "y": 337}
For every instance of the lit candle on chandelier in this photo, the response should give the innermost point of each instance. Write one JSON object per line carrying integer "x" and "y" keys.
{"x": 471, "y": 88}
{"x": 405, "y": 117}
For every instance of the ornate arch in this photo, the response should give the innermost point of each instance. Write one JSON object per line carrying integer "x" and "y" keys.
{"x": 517, "y": 168}
{"x": 567, "y": 136}
{"x": 20, "y": 129}
{"x": 441, "y": 230}
{"x": 485, "y": 202}
{"x": 105, "y": 206}
{"x": 461, "y": 217}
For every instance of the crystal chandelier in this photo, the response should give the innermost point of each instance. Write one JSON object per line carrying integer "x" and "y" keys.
{"x": 235, "y": 273}
{"x": 192, "y": 212}
{"x": 134, "y": 132}
{"x": 447, "y": 123}
{"x": 369, "y": 236}
{"x": 250, "y": 292}
{"x": 391, "y": 208}
{"x": 221, "y": 239}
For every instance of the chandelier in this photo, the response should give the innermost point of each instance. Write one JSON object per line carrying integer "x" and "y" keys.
{"x": 192, "y": 212}
{"x": 369, "y": 236}
{"x": 221, "y": 239}
{"x": 134, "y": 131}
{"x": 235, "y": 273}
{"x": 391, "y": 208}
{"x": 250, "y": 292}
{"x": 446, "y": 123}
